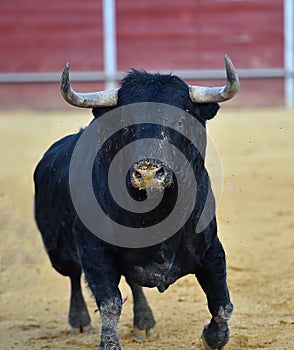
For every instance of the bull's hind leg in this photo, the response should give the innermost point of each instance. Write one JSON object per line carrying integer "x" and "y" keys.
{"x": 64, "y": 259}
{"x": 212, "y": 278}
{"x": 144, "y": 321}
{"x": 78, "y": 316}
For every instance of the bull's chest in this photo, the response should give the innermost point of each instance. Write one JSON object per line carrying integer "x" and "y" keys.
{"x": 160, "y": 274}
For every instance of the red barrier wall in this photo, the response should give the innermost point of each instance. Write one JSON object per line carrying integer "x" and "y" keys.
{"x": 42, "y": 35}
{"x": 187, "y": 34}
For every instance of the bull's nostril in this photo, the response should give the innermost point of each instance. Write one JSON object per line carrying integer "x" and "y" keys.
{"x": 138, "y": 175}
{"x": 159, "y": 174}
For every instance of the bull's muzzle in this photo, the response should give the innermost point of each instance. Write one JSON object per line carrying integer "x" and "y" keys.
{"x": 150, "y": 174}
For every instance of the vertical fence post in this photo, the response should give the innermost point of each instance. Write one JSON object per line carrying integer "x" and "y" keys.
{"x": 289, "y": 52}
{"x": 109, "y": 27}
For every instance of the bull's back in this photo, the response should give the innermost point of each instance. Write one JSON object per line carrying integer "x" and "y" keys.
{"x": 54, "y": 213}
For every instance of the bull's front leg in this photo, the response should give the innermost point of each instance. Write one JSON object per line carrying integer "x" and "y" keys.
{"x": 144, "y": 322}
{"x": 103, "y": 281}
{"x": 103, "y": 278}
{"x": 212, "y": 278}
{"x": 110, "y": 310}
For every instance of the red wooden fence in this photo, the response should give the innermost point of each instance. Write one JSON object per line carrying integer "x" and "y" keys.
{"x": 41, "y": 36}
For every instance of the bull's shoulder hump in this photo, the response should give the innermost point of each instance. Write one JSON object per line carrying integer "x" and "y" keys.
{"x": 58, "y": 155}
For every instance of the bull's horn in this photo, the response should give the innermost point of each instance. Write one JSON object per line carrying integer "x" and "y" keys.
{"x": 105, "y": 98}
{"x": 203, "y": 94}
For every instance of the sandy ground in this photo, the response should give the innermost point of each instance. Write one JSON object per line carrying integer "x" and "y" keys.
{"x": 256, "y": 224}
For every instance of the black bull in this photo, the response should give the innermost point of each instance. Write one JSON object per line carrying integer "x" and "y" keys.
{"x": 73, "y": 249}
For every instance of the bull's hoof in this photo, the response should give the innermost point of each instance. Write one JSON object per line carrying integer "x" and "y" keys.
{"x": 109, "y": 342}
{"x": 204, "y": 345}
{"x": 79, "y": 320}
{"x": 82, "y": 329}
{"x": 141, "y": 334}
{"x": 109, "y": 347}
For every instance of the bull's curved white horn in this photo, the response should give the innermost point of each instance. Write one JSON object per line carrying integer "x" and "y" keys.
{"x": 203, "y": 94}
{"x": 106, "y": 98}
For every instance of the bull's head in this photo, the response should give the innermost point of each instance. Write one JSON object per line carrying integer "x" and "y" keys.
{"x": 140, "y": 86}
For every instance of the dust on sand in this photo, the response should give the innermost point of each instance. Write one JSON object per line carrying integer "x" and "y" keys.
{"x": 256, "y": 226}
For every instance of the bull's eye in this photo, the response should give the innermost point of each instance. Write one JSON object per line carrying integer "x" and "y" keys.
{"x": 138, "y": 175}
{"x": 159, "y": 174}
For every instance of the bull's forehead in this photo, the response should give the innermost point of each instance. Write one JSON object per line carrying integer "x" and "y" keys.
{"x": 141, "y": 86}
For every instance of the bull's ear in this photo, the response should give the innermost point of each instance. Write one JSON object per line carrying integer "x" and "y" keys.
{"x": 98, "y": 111}
{"x": 206, "y": 111}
